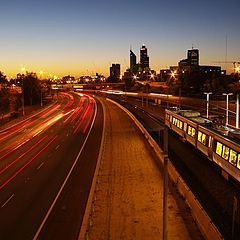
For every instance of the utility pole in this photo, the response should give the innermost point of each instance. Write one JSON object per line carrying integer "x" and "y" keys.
{"x": 237, "y": 110}
{"x": 207, "y": 93}
{"x": 165, "y": 183}
{"x": 227, "y": 95}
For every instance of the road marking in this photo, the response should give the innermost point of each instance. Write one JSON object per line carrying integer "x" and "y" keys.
{"x": 40, "y": 166}
{"x": 9, "y": 199}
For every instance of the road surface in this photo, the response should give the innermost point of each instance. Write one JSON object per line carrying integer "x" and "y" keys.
{"x": 39, "y": 158}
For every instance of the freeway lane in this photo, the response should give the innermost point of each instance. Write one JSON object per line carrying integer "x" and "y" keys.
{"x": 36, "y": 156}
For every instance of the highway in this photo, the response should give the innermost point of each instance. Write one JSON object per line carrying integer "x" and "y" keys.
{"x": 42, "y": 159}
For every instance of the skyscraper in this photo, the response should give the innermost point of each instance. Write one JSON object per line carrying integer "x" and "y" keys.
{"x": 115, "y": 72}
{"x": 193, "y": 57}
{"x": 133, "y": 61}
{"x": 144, "y": 59}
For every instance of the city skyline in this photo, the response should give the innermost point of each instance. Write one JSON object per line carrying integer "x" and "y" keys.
{"x": 82, "y": 38}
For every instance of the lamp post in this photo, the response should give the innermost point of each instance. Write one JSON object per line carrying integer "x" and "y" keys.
{"x": 207, "y": 93}
{"x": 237, "y": 110}
{"x": 41, "y": 101}
{"x": 227, "y": 98}
{"x": 237, "y": 100}
{"x": 165, "y": 183}
{"x": 23, "y": 110}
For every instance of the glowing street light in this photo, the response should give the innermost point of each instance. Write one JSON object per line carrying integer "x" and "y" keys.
{"x": 41, "y": 74}
{"x": 173, "y": 73}
{"x": 23, "y": 69}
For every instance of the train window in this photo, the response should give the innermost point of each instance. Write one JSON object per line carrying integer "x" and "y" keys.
{"x": 219, "y": 149}
{"x": 177, "y": 123}
{"x": 225, "y": 152}
{"x": 180, "y": 125}
{"x": 202, "y": 138}
{"x": 238, "y": 163}
{"x": 233, "y": 157}
{"x": 185, "y": 127}
{"x": 174, "y": 121}
{"x": 167, "y": 117}
{"x": 191, "y": 131}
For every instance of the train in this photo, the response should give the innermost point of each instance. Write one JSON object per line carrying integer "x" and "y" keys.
{"x": 220, "y": 144}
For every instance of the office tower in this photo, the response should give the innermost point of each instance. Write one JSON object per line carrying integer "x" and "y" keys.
{"x": 193, "y": 57}
{"x": 144, "y": 59}
{"x": 133, "y": 61}
{"x": 115, "y": 71}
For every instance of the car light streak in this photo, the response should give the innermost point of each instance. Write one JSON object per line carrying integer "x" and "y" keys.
{"x": 78, "y": 109}
{"x": 77, "y": 113}
{"x": 90, "y": 118}
{"x": 15, "y": 148}
{"x": 22, "y": 126}
{"x": 22, "y": 155}
{"x": 55, "y": 119}
{"x": 65, "y": 181}
{"x": 27, "y": 163}
{"x": 14, "y": 130}
{"x": 37, "y": 133}
{"x": 24, "y": 139}
{"x": 71, "y": 114}
{"x": 50, "y": 111}
{"x": 82, "y": 119}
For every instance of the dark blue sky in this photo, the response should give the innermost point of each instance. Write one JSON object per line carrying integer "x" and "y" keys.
{"x": 81, "y": 37}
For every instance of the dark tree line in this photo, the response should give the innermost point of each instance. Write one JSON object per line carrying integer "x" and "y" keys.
{"x": 31, "y": 88}
{"x": 10, "y": 100}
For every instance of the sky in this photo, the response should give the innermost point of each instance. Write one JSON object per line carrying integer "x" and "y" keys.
{"x": 82, "y": 37}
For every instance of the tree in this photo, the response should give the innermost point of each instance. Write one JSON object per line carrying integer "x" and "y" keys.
{"x": 4, "y": 102}
{"x": 31, "y": 88}
{"x": 3, "y": 79}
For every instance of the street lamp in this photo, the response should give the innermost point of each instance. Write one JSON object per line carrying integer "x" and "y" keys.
{"x": 227, "y": 96}
{"x": 23, "y": 69}
{"x": 41, "y": 101}
{"x": 207, "y": 93}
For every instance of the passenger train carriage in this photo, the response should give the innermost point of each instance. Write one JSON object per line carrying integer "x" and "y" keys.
{"x": 220, "y": 145}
